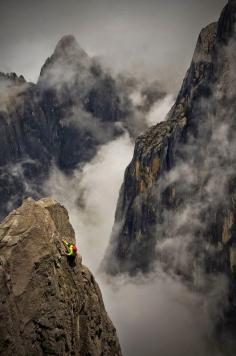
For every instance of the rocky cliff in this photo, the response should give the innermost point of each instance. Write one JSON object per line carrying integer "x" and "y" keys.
{"x": 177, "y": 202}
{"x": 48, "y": 307}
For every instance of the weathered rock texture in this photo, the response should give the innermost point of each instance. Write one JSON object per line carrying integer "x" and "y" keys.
{"x": 48, "y": 307}
{"x": 185, "y": 167}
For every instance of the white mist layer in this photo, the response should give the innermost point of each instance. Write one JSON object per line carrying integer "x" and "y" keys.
{"x": 158, "y": 315}
{"x": 90, "y": 197}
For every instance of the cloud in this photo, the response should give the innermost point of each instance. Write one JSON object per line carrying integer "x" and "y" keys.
{"x": 90, "y": 195}
{"x": 154, "y": 314}
{"x": 150, "y": 99}
{"x": 136, "y": 98}
{"x": 203, "y": 178}
{"x": 96, "y": 101}
{"x": 159, "y": 315}
{"x": 90, "y": 191}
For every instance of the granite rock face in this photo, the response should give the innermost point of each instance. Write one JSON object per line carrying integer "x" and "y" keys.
{"x": 48, "y": 307}
{"x": 180, "y": 184}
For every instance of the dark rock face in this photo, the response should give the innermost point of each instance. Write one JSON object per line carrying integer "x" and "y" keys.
{"x": 47, "y": 306}
{"x": 180, "y": 183}
{"x": 74, "y": 108}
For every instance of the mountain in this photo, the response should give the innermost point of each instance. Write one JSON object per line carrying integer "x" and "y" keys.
{"x": 177, "y": 204}
{"x": 75, "y": 107}
{"x": 47, "y": 306}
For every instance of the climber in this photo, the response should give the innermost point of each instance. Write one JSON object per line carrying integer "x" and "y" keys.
{"x": 71, "y": 251}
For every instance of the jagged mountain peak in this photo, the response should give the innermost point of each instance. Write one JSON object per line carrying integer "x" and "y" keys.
{"x": 12, "y": 78}
{"x": 67, "y": 46}
{"x": 68, "y": 55}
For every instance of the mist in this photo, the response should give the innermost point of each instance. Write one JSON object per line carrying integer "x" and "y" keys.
{"x": 159, "y": 315}
{"x": 154, "y": 314}
{"x": 90, "y": 195}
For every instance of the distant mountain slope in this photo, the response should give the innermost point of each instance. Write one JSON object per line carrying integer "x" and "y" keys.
{"x": 75, "y": 107}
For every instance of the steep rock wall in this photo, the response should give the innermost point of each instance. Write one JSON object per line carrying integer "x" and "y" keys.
{"x": 176, "y": 165}
{"x": 48, "y": 307}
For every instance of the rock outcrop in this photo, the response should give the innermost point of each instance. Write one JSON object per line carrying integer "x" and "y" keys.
{"x": 48, "y": 307}
{"x": 180, "y": 183}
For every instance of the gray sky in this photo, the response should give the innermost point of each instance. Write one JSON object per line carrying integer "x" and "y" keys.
{"x": 153, "y": 38}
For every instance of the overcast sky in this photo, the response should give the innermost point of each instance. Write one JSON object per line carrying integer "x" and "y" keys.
{"x": 149, "y": 37}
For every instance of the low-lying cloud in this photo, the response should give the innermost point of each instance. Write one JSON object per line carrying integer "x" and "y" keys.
{"x": 159, "y": 315}
{"x": 90, "y": 195}
{"x": 154, "y": 315}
